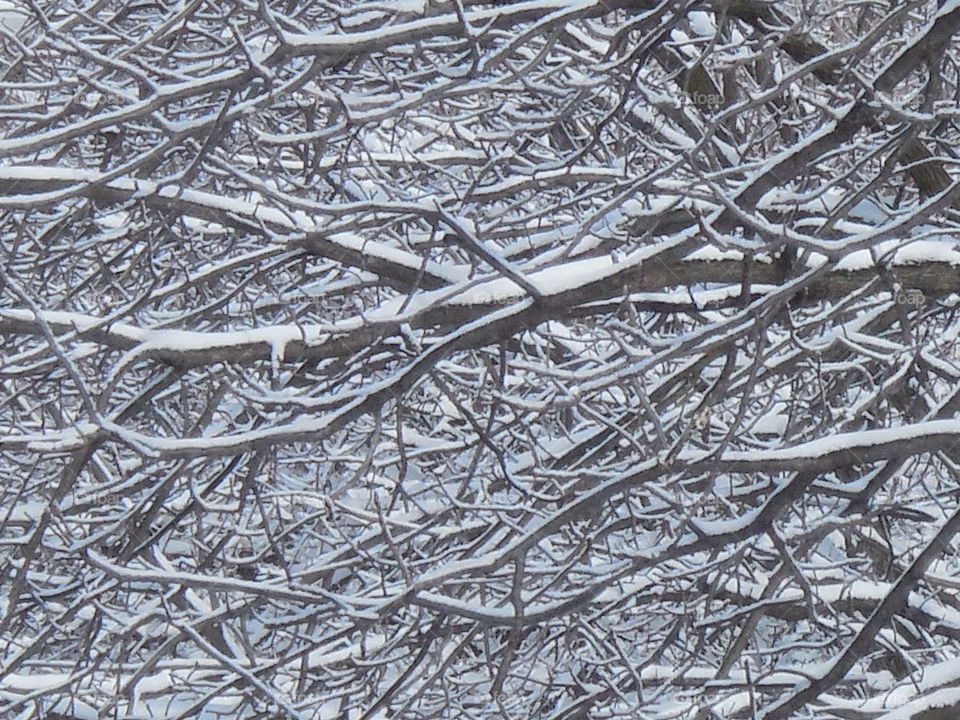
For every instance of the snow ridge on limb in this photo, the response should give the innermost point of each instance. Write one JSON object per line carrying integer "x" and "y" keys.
{"x": 928, "y": 272}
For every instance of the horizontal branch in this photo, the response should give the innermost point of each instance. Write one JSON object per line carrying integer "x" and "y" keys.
{"x": 610, "y": 287}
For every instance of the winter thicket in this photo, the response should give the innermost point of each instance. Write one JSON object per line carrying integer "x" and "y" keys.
{"x": 450, "y": 359}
